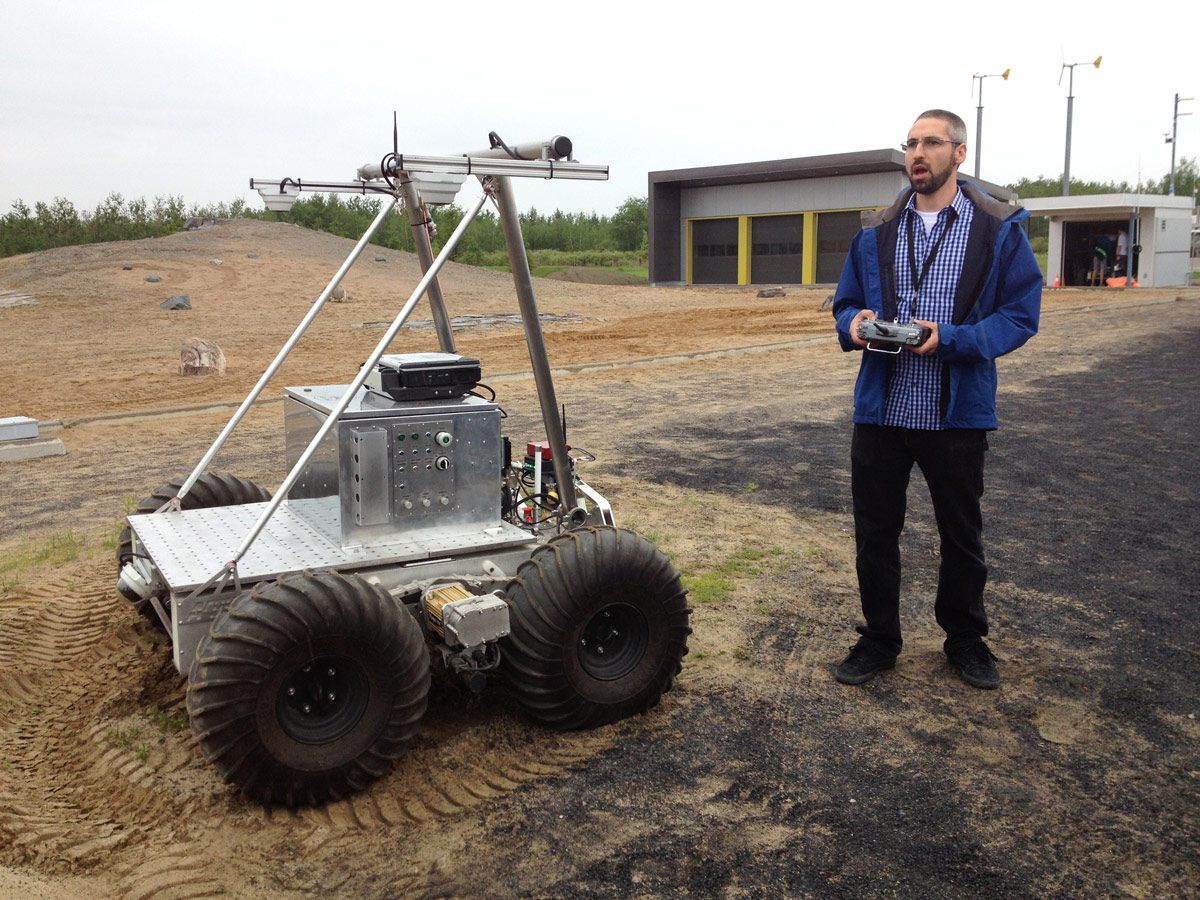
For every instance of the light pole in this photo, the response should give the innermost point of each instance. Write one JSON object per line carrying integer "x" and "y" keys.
{"x": 979, "y": 114}
{"x": 1070, "y": 105}
{"x": 1171, "y": 139}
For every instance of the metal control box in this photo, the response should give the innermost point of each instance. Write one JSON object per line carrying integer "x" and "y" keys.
{"x": 392, "y": 467}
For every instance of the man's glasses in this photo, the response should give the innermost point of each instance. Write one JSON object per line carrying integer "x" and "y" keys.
{"x": 931, "y": 143}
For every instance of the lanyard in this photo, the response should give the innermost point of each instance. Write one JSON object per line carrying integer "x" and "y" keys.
{"x": 912, "y": 256}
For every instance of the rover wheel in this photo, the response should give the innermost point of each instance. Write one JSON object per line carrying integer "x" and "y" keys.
{"x": 599, "y": 626}
{"x": 308, "y": 688}
{"x": 210, "y": 491}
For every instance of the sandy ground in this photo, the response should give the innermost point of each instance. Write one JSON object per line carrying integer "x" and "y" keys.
{"x": 721, "y": 426}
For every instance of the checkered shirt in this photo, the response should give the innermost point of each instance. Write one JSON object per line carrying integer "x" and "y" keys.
{"x": 915, "y": 387}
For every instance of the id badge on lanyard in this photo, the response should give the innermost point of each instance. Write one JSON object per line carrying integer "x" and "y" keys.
{"x": 918, "y": 280}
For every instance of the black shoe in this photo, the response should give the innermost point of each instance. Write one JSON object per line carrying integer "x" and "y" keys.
{"x": 865, "y": 659}
{"x": 976, "y": 664}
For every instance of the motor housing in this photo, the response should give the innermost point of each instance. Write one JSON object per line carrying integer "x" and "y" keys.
{"x": 463, "y": 619}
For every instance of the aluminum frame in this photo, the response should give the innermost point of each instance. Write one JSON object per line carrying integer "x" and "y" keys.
{"x": 392, "y": 560}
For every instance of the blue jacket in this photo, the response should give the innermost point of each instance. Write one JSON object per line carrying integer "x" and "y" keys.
{"x": 996, "y": 308}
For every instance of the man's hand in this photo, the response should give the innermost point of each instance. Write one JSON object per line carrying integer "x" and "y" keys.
{"x": 862, "y": 315}
{"x": 931, "y": 342}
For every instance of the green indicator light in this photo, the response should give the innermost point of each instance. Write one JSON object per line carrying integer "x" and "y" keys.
{"x": 416, "y": 436}
{"x": 401, "y": 437}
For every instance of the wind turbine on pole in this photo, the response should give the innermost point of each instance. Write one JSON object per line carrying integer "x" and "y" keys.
{"x": 979, "y": 113}
{"x": 1070, "y": 104}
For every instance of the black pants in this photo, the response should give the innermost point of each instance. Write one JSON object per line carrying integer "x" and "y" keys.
{"x": 952, "y": 463}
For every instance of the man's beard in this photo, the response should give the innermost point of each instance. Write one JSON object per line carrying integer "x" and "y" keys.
{"x": 934, "y": 183}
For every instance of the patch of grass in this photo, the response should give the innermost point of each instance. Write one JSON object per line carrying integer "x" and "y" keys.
{"x": 543, "y": 271}
{"x": 168, "y": 721}
{"x": 718, "y": 583}
{"x": 112, "y": 537}
{"x": 740, "y": 566}
{"x": 639, "y": 271}
{"x": 750, "y": 487}
{"x": 55, "y": 550}
{"x": 124, "y": 737}
{"x": 655, "y": 537}
{"x": 597, "y": 259}
{"x": 743, "y": 561}
{"x": 755, "y": 553}
{"x": 711, "y": 587}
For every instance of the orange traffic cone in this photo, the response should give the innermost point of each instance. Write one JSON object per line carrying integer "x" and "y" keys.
{"x": 1058, "y": 280}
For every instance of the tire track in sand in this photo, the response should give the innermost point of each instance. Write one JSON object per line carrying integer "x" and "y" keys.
{"x": 61, "y": 644}
{"x": 93, "y": 781}
{"x": 178, "y": 872}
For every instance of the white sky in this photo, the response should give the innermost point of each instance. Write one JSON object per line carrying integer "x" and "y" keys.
{"x": 192, "y": 99}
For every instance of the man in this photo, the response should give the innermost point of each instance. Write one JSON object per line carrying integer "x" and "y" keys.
{"x": 948, "y": 257}
{"x": 1102, "y": 251}
{"x": 1122, "y": 254}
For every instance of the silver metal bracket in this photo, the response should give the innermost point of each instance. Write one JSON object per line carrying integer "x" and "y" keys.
{"x": 219, "y": 581}
{"x": 161, "y": 612}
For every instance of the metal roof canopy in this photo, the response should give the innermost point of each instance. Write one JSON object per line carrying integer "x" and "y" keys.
{"x": 860, "y": 162}
{"x": 1080, "y": 207}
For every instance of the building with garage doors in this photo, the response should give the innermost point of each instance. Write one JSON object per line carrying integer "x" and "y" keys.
{"x": 785, "y": 221}
{"x": 1161, "y": 243}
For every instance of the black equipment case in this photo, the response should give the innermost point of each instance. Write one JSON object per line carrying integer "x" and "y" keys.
{"x": 424, "y": 376}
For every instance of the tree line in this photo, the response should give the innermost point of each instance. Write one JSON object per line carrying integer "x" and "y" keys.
{"x": 594, "y": 239}
{"x": 578, "y": 238}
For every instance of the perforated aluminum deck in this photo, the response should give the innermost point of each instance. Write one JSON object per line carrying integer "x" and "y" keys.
{"x": 191, "y": 546}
